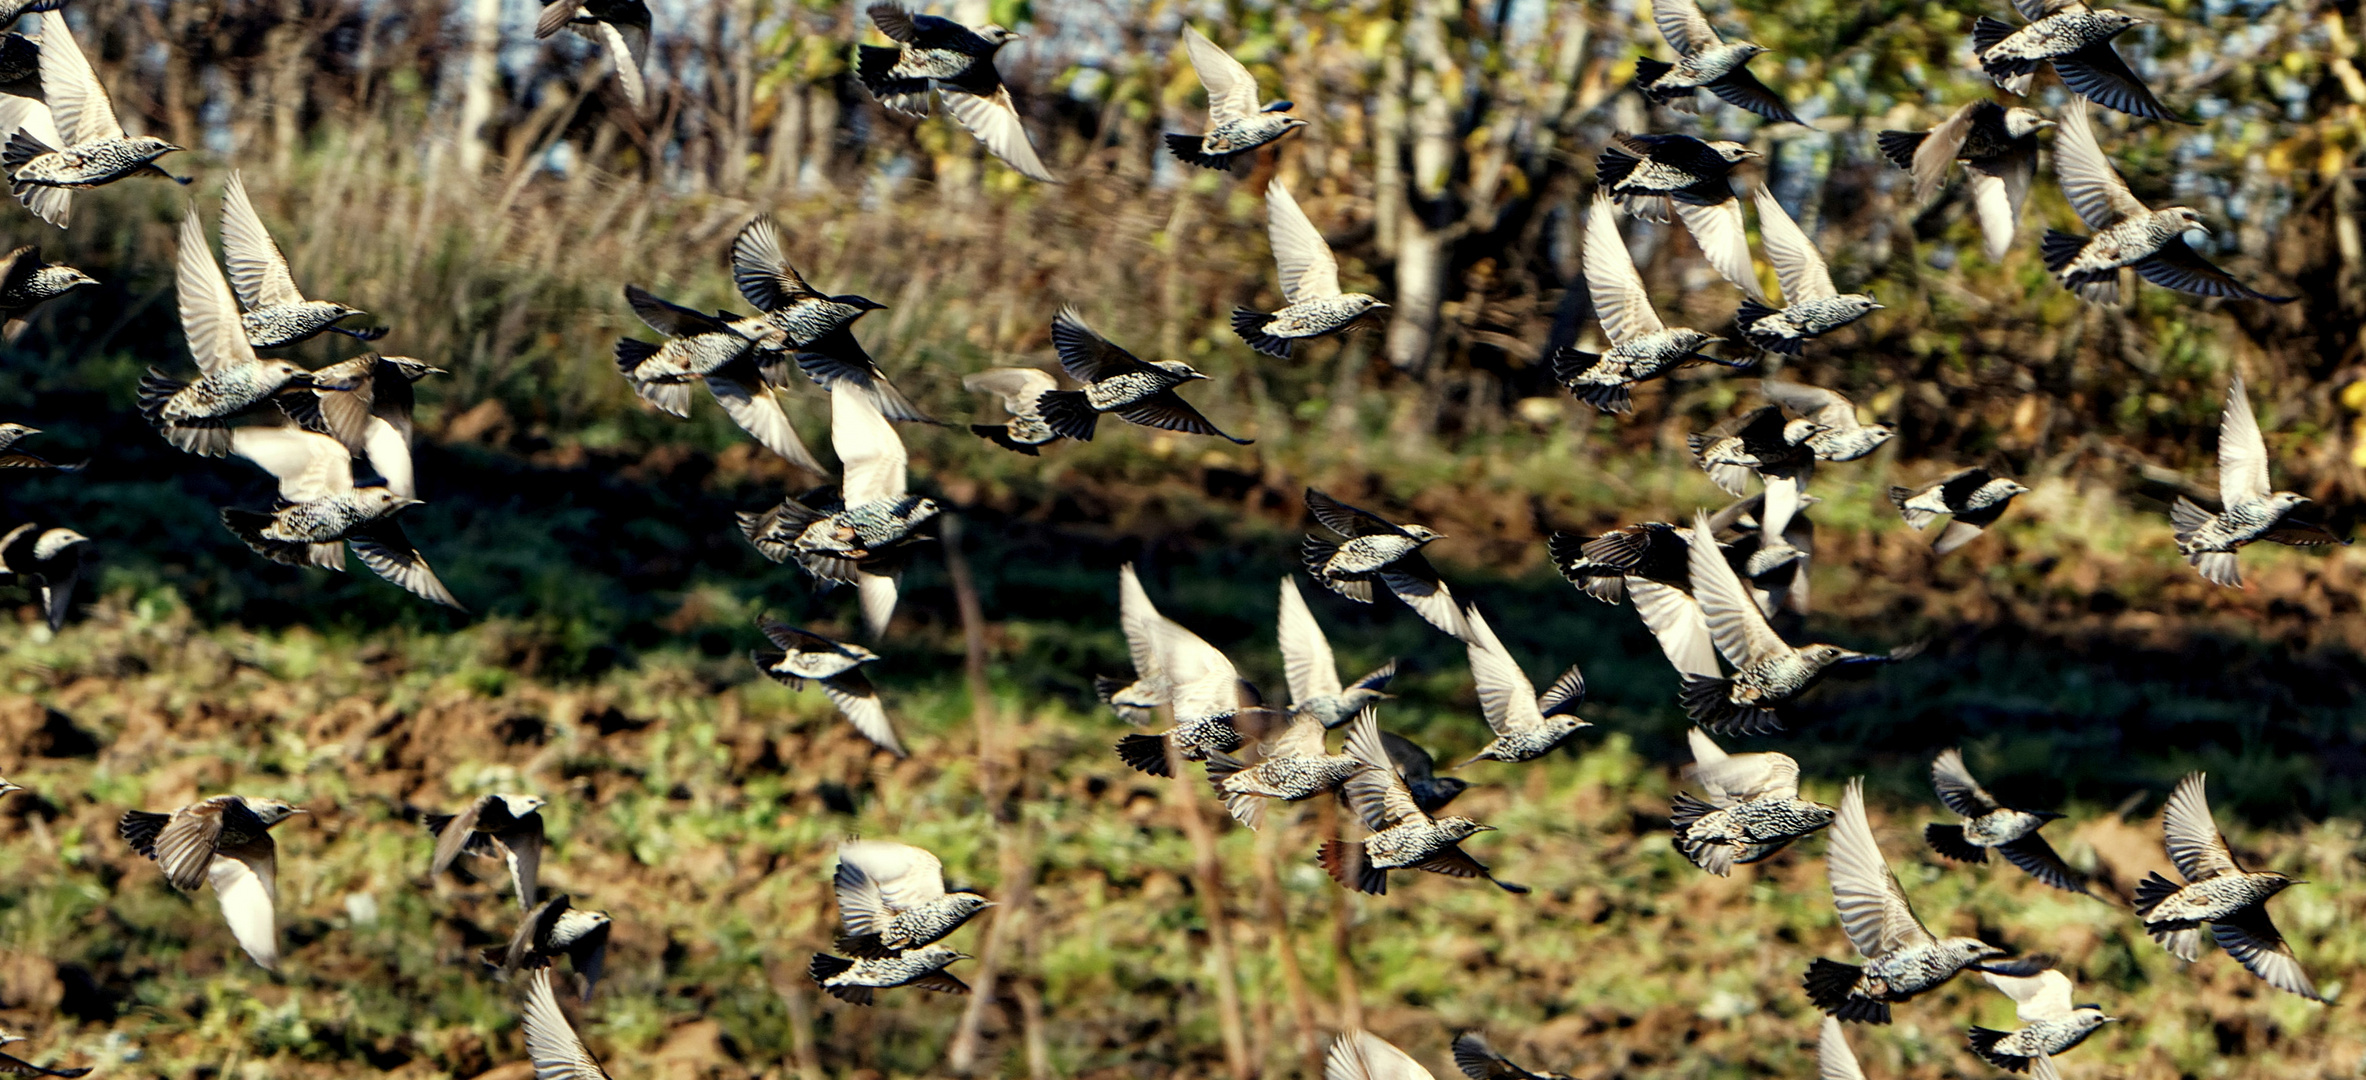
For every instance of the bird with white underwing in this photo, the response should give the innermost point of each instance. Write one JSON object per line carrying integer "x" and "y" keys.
{"x": 2250, "y": 509}
{"x": 505, "y": 827}
{"x": 1641, "y": 346}
{"x": 223, "y": 841}
{"x": 2128, "y": 234}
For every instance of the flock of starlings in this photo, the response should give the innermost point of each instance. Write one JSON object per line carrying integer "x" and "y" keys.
{"x": 1706, "y": 591}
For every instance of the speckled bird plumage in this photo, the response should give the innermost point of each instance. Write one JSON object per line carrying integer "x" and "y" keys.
{"x": 2076, "y": 40}
{"x": 1988, "y": 825}
{"x": 853, "y": 981}
{"x": 2218, "y": 892}
{"x": 1903, "y": 958}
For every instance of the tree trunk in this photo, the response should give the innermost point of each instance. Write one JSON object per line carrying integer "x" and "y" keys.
{"x": 1421, "y": 230}
{"x": 479, "y": 73}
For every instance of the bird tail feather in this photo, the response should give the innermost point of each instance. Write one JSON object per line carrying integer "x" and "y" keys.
{"x": 1948, "y": 841}
{"x": 875, "y": 66}
{"x": 825, "y": 967}
{"x": 1067, "y": 413}
{"x": 1346, "y": 864}
{"x": 1983, "y": 1042}
{"x": 630, "y": 352}
{"x": 22, "y": 147}
{"x": 1250, "y": 325}
{"x": 1987, "y": 34}
{"x": 2186, "y": 518}
{"x": 1648, "y": 72}
{"x": 1146, "y": 753}
{"x": 139, "y": 828}
{"x": 1706, "y": 701}
{"x": 2151, "y": 891}
{"x": 1612, "y": 166}
{"x": 1192, "y": 150}
{"x": 1832, "y": 986}
{"x": 1920, "y": 519}
{"x": 2059, "y": 248}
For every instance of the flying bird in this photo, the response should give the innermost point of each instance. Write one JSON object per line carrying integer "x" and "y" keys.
{"x": 622, "y": 27}
{"x": 1812, "y": 307}
{"x": 2218, "y": 891}
{"x": 1360, "y": 1055}
{"x": 233, "y": 381}
{"x": 1020, "y": 390}
{"x": 1527, "y": 725}
{"x": 2052, "y": 1025}
{"x": 798, "y": 655}
{"x": 2250, "y": 508}
{"x": 1313, "y": 672}
{"x": 1991, "y": 825}
{"x": 1419, "y": 771}
{"x": 47, "y": 563}
{"x": 1204, "y": 691}
{"x": 277, "y": 315}
{"x": 1378, "y": 550}
{"x": 958, "y": 62}
{"x": 1998, "y": 149}
{"x": 26, "y": 283}
{"x": 1402, "y": 835}
{"x": 1904, "y": 959}
{"x": 366, "y": 403}
{"x": 2076, "y": 39}
{"x": 224, "y": 841}
{"x": 1753, "y": 808}
{"x": 865, "y": 538}
{"x": 2127, "y": 232}
{"x": 1976, "y": 498}
{"x": 1115, "y": 382}
{"x": 11, "y": 1065}
{"x": 1600, "y": 565}
{"x": 1310, "y": 283}
{"x": 555, "y": 928}
{"x": 321, "y": 508}
{"x": 1294, "y": 766}
{"x": 1704, "y": 61}
{"x": 71, "y": 138}
{"x": 892, "y": 899}
{"x": 505, "y": 827}
{"x": 1479, "y": 1061}
{"x": 1839, "y": 435}
{"x": 1780, "y": 451}
{"x": 1664, "y": 178}
{"x": 1137, "y": 702}
{"x": 557, "y": 1051}
{"x": 1641, "y": 346}
{"x": 721, "y": 350}
{"x": 817, "y": 327}
{"x": 854, "y": 981}
{"x": 1237, "y": 124}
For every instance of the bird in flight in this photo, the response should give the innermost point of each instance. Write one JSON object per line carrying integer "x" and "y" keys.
{"x": 2250, "y": 509}
{"x": 1903, "y": 958}
{"x": 2127, "y": 232}
{"x": 958, "y": 63}
{"x": 1310, "y": 283}
{"x": 224, "y": 841}
{"x": 2218, "y": 892}
{"x": 1237, "y": 124}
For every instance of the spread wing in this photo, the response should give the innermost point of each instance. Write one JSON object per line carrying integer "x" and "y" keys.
{"x": 754, "y": 407}
{"x": 1796, "y": 262}
{"x": 1307, "y": 663}
{"x": 1087, "y": 356}
{"x": 869, "y": 451}
{"x": 876, "y": 595}
{"x": 1834, "y": 1060}
{"x": 1506, "y": 698}
{"x": 1232, "y": 91}
{"x": 1361, "y": 1055}
{"x": 246, "y": 884}
{"x": 2093, "y": 187}
{"x": 1873, "y": 908}
{"x": 2178, "y": 266}
{"x": 1724, "y": 242}
{"x": 2252, "y": 940}
{"x": 454, "y": 837}
{"x": 558, "y": 1053}
{"x": 1681, "y": 22}
{"x": 1675, "y": 619}
{"x": 1999, "y": 186}
{"x": 995, "y": 121}
{"x": 1956, "y": 787}
{"x": 1741, "y": 777}
{"x": 2242, "y": 451}
{"x": 1017, "y": 387}
{"x": 2039, "y": 997}
{"x": 1938, "y": 149}
{"x": 1735, "y": 622}
{"x": 1377, "y": 792}
{"x": 626, "y": 46}
{"x": 524, "y": 843}
{"x": 309, "y": 466}
{"x": 257, "y": 269}
{"x": 2193, "y": 839}
{"x": 209, "y": 314}
{"x": 1813, "y": 402}
{"x": 76, "y": 100}
{"x": 50, "y": 204}
{"x": 859, "y": 702}
{"x": 1620, "y": 300}
{"x": 185, "y": 847}
{"x": 906, "y": 876}
{"x": 389, "y": 554}
{"x": 761, "y": 271}
{"x": 1309, "y": 271}
{"x": 1348, "y": 521}
{"x": 1140, "y": 620}
{"x": 669, "y": 318}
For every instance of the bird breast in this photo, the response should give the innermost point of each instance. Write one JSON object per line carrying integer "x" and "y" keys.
{"x": 1119, "y": 391}
{"x": 2000, "y": 827}
{"x": 1365, "y": 554}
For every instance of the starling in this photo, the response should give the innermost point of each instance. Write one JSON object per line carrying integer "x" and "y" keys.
{"x": 1376, "y": 549}
{"x": 1204, "y": 690}
{"x": 1998, "y": 148}
{"x": 225, "y": 841}
{"x": 1310, "y": 283}
{"x": 1663, "y": 178}
{"x": 1839, "y": 435}
{"x": 1600, "y": 565}
{"x": 722, "y": 350}
{"x": 1237, "y": 124}
{"x": 1812, "y": 307}
{"x": 557, "y": 1051}
{"x": 1294, "y": 766}
{"x": 1137, "y": 702}
{"x": 10, "y": 1064}
{"x": 366, "y": 403}
{"x": 854, "y": 980}
{"x": 864, "y": 539}
{"x": 1707, "y": 61}
{"x": 1313, "y": 673}
{"x": 26, "y": 282}
{"x": 1641, "y": 346}
{"x": 72, "y": 139}
{"x": 1402, "y": 835}
{"x": 1527, "y": 726}
{"x": 816, "y": 326}
{"x": 2218, "y": 891}
{"x": 1361, "y": 1055}
{"x": 1772, "y": 555}
{"x": 2127, "y": 233}
{"x": 958, "y": 62}
{"x": 1115, "y": 382}
{"x": 2053, "y": 1024}
{"x": 276, "y": 314}
{"x": 1975, "y": 496}
{"x": 1752, "y": 812}
{"x": 1019, "y": 388}
{"x": 1768, "y": 672}
{"x": 1762, "y": 441}
{"x": 505, "y": 827}
{"x": 48, "y": 563}
{"x": 555, "y": 928}
{"x": 1418, "y": 770}
{"x": 2077, "y": 40}
{"x": 893, "y": 900}
{"x": 320, "y": 508}
{"x": 1989, "y": 824}
{"x": 622, "y": 27}
{"x": 799, "y": 655}
{"x": 2250, "y": 508}
{"x": 1905, "y": 959}
{"x": 1834, "y": 1060}
{"x": 1479, "y": 1061}
{"x": 234, "y": 381}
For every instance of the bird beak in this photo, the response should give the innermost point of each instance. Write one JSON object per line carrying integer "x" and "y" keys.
{"x": 1376, "y": 305}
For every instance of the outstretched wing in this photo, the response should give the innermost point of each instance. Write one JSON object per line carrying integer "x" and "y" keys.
{"x": 1361, "y": 1055}
{"x": 257, "y": 268}
{"x": 994, "y": 119}
{"x": 1956, "y": 787}
{"x": 2087, "y": 178}
{"x": 2194, "y": 842}
{"x": 1873, "y": 908}
{"x": 761, "y": 271}
{"x": 1307, "y": 663}
{"x": 1232, "y": 91}
{"x": 1681, "y": 22}
{"x": 209, "y": 314}
{"x": 1834, "y": 1060}
{"x": 1377, "y": 792}
{"x": 1309, "y": 271}
{"x": 1796, "y": 262}
{"x": 1735, "y": 622}
{"x": 870, "y": 453}
{"x": 76, "y": 100}
{"x": 558, "y": 1053}
{"x": 1620, "y": 300}
{"x": 1506, "y": 697}
{"x": 1724, "y": 241}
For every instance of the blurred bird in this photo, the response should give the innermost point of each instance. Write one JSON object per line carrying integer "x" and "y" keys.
{"x": 892, "y": 899}
{"x": 854, "y": 980}
{"x": 1115, "y": 382}
{"x": 1361, "y": 1055}
{"x": 1237, "y": 124}
{"x": 1527, "y": 726}
{"x": 1839, "y": 436}
{"x": 1020, "y": 389}
{"x": 1402, "y": 835}
{"x": 20, "y": 62}
{"x": 47, "y": 563}
{"x": 1704, "y": 61}
{"x": 866, "y": 538}
{"x": 2076, "y": 39}
{"x": 1834, "y": 1060}
{"x": 277, "y": 314}
{"x": 1313, "y": 672}
{"x": 1905, "y": 959}
{"x": 1663, "y": 178}
{"x": 2218, "y": 891}
{"x": 1781, "y": 452}
{"x": 1600, "y": 565}
{"x": 1204, "y": 691}
{"x": 1998, "y": 148}
{"x": 1975, "y": 496}
{"x": 1812, "y": 307}
{"x": 1309, "y": 279}
{"x": 10, "y": 1064}
{"x": 721, "y": 350}
{"x": 1641, "y": 346}
{"x": 1137, "y": 702}
{"x": 1752, "y": 812}
{"x": 1294, "y": 766}
{"x": 2250, "y": 509}
{"x": 556, "y": 1050}
{"x": 1376, "y": 549}
{"x": 1989, "y": 824}
{"x": 224, "y": 841}
{"x": 1418, "y": 770}
{"x": 2053, "y": 1024}
{"x": 12, "y": 458}
{"x": 958, "y": 62}
{"x": 71, "y": 138}
{"x": 26, "y": 283}
{"x": 320, "y": 507}
{"x": 233, "y": 381}
{"x": 505, "y": 827}
{"x": 2127, "y": 233}
{"x": 367, "y": 403}
{"x": 1771, "y": 554}
{"x": 799, "y": 655}
{"x": 1479, "y": 1061}
{"x": 6, "y": 787}
{"x": 818, "y": 327}
{"x": 622, "y": 27}
{"x": 555, "y": 928}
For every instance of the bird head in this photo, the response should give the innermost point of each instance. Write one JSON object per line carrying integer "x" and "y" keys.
{"x": 1799, "y": 430}
{"x": 2187, "y": 218}
{"x": 522, "y": 805}
{"x": 12, "y": 432}
{"x": 6, "y": 1038}
{"x": 55, "y": 541}
{"x": 1877, "y": 434}
{"x": 55, "y": 278}
{"x": 2116, "y": 21}
{"x": 272, "y": 811}
{"x": 288, "y": 371}
{"x": 1750, "y": 48}
{"x": 381, "y": 500}
{"x": 860, "y": 303}
{"x": 1423, "y": 533}
{"x": 968, "y": 903}
{"x": 1447, "y": 787}
{"x": 1971, "y": 951}
{"x": 1365, "y": 304}
{"x": 149, "y": 146}
{"x": 2009, "y": 488}
{"x": 1354, "y": 699}
{"x": 2285, "y": 502}
{"x": 343, "y": 311}
{"x": 412, "y": 370}
{"x": 996, "y": 36}
{"x": 1732, "y": 152}
{"x": 2021, "y": 123}
{"x": 861, "y": 655}
{"x": 1823, "y": 656}
{"x": 1179, "y": 369}
{"x": 1460, "y": 827}
{"x": 5, "y": 788}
